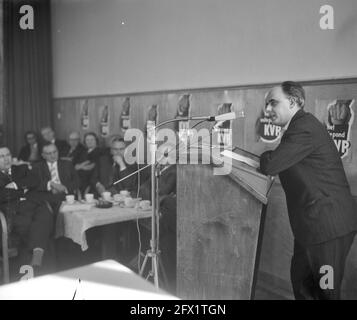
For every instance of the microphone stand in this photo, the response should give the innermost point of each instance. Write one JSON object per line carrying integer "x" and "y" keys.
{"x": 154, "y": 252}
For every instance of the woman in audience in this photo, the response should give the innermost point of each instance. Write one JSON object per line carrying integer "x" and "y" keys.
{"x": 30, "y": 152}
{"x": 90, "y": 158}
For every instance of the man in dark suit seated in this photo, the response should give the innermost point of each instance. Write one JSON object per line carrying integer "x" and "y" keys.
{"x": 113, "y": 167}
{"x": 322, "y": 211}
{"x": 57, "y": 177}
{"x": 28, "y": 218}
{"x": 48, "y": 136}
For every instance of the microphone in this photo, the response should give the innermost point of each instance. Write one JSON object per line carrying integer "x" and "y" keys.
{"x": 221, "y": 117}
{"x": 216, "y": 126}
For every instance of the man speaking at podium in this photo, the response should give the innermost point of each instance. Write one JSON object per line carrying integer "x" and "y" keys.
{"x": 322, "y": 211}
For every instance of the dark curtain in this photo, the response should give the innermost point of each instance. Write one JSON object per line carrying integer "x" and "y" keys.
{"x": 28, "y": 72}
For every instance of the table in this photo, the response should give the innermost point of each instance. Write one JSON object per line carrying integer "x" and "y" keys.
{"x": 73, "y": 224}
{"x": 104, "y": 280}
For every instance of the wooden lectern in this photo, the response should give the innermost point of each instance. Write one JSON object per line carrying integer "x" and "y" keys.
{"x": 220, "y": 221}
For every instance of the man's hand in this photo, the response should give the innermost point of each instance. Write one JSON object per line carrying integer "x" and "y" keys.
{"x": 58, "y": 188}
{"x": 80, "y": 166}
{"x": 100, "y": 188}
{"x": 88, "y": 167}
{"x": 16, "y": 162}
{"x": 85, "y": 165}
{"x": 339, "y": 113}
{"x": 120, "y": 161}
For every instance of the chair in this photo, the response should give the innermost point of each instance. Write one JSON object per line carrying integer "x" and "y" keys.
{"x": 6, "y": 251}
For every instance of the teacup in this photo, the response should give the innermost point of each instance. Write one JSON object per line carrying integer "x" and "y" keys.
{"x": 89, "y": 197}
{"x": 125, "y": 193}
{"x": 129, "y": 202}
{"x": 106, "y": 195}
{"x": 118, "y": 197}
{"x": 145, "y": 204}
{"x": 70, "y": 199}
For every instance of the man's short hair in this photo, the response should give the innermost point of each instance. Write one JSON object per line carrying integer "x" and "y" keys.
{"x": 30, "y": 132}
{"x": 46, "y": 144}
{"x": 117, "y": 139}
{"x": 46, "y": 127}
{"x": 295, "y": 91}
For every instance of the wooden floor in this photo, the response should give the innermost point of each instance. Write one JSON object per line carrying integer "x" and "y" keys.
{"x": 266, "y": 294}
{"x": 69, "y": 255}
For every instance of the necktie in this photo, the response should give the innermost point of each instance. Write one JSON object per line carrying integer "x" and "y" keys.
{"x": 54, "y": 175}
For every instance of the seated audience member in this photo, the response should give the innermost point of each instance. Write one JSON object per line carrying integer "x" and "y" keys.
{"x": 113, "y": 167}
{"x": 77, "y": 149}
{"x": 28, "y": 218}
{"x": 30, "y": 152}
{"x": 89, "y": 160}
{"x": 57, "y": 177}
{"x": 167, "y": 183}
{"x": 48, "y": 135}
{"x": 167, "y": 177}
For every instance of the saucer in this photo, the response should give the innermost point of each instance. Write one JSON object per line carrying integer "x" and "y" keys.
{"x": 94, "y": 201}
{"x": 104, "y": 204}
{"x": 146, "y": 209}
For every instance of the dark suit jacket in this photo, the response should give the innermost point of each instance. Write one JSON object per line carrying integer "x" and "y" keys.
{"x": 167, "y": 184}
{"x": 24, "y": 179}
{"x": 63, "y": 148}
{"x": 85, "y": 175}
{"x": 78, "y": 154}
{"x": 25, "y": 153}
{"x": 318, "y": 196}
{"x": 66, "y": 172}
{"x": 15, "y": 203}
{"x": 106, "y": 174}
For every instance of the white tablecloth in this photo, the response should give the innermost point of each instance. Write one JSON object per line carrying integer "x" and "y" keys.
{"x": 105, "y": 280}
{"x": 73, "y": 224}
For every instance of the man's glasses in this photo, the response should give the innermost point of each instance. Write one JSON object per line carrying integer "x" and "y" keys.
{"x": 50, "y": 153}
